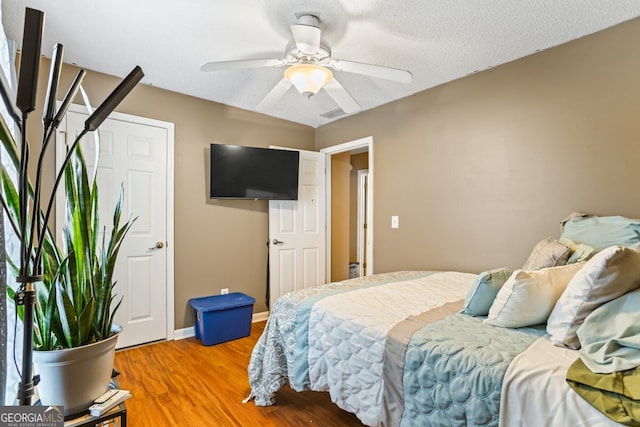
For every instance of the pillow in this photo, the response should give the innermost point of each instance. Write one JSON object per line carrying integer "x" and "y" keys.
{"x": 609, "y": 274}
{"x": 573, "y": 215}
{"x": 484, "y": 291}
{"x": 600, "y": 232}
{"x": 528, "y": 297}
{"x": 582, "y": 252}
{"x": 610, "y": 336}
{"x": 547, "y": 253}
{"x": 579, "y": 251}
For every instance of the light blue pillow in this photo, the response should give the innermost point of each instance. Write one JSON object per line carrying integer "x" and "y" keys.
{"x": 484, "y": 290}
{"x": 600, "y": 232}
{"x": 610, "y": 335}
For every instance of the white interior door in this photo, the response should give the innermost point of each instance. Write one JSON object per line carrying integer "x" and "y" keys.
{"x": 297, "y": 240}
{"x": 134, "y": 155}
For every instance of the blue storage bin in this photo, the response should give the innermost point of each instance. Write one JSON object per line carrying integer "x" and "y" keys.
{"x": 221, "y": 318}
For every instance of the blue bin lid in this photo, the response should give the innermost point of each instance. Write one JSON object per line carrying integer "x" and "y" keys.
{"x": 221, "y": 302}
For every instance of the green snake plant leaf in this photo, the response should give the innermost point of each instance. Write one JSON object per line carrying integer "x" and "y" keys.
{"x": 86, "y": 329}
{"x": 10, "y": 199}
{"x": 45, "y": 317}
{"x": 71, "y": 280}
{"x": 107, "y": 328}
{"x": 11, "y": 294}
{"x": 9, "y": 143}
{"x": 68, "y": 318}
{"x": 82, "y": 292}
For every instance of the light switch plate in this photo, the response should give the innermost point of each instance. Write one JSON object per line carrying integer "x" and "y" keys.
{"x": 394, "y": 221}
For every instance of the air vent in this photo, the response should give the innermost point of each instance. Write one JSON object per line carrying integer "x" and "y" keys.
{"x": 332, "y": 114}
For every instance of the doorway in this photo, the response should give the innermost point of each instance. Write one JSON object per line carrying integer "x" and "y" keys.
{"x": 349, "y": 233}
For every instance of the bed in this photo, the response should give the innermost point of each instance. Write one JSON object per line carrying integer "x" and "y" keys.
{"x": 444, "y": 348}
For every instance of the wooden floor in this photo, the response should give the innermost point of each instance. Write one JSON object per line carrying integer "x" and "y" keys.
{"x": 183, "y": 383}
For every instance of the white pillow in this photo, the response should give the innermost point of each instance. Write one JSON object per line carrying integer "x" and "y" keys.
{"x": 547, "y": 253}
{"x": 612, "y": 272}
{"x": 528, "y": 297}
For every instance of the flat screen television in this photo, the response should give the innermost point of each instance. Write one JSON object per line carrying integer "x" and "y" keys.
{"x": 239, "y": 172}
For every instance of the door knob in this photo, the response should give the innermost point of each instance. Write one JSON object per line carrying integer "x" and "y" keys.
{"x": 159, "y": 245}
{"x": 277, "y": 242}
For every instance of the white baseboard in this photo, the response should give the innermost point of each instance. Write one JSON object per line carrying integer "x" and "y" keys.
{"x": 260, "y": 317}
{"x": 180, "y": 334}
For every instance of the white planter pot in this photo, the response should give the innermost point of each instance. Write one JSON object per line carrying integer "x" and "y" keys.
{"x": 74, "y": 377}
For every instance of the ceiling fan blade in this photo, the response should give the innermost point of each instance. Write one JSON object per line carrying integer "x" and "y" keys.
{"x": 274, "y": 95}
{"x": 394, "y": 74}
{"x": 307, "y": 38}
{"x": 341, "y": 97}
{"x": 243, "y": 63}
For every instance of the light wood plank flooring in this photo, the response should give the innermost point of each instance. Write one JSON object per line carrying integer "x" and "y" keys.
{"x": 183, "y": 383}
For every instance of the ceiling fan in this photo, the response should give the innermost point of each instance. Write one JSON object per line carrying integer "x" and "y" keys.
{"x": 308, "y": 68}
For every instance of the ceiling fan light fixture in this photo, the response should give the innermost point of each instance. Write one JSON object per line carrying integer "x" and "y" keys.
{"x": 308, "y": 78}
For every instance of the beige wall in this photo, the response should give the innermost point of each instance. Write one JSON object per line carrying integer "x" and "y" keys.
{"x": 480, "y": 169}
{"x": 218, "y": 244}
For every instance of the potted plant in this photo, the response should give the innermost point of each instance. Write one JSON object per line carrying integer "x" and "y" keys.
{"x": 65, "y": 290}
{"x": 74, "y": 336}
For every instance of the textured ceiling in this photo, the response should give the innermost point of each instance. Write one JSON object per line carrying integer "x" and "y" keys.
{"x": 438, "y": 41}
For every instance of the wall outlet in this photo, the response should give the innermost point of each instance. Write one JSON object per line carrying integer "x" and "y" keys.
{"x": 224, "y": 291}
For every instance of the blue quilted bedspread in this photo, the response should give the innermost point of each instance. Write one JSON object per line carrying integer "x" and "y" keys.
{"x": 391, "y": 348}
{"x": 454, "y": 369}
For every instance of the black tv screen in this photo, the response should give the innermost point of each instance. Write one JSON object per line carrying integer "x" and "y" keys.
{"x": 239, "y": 172}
